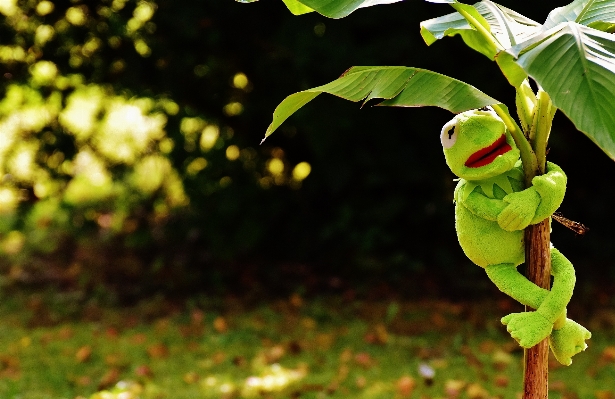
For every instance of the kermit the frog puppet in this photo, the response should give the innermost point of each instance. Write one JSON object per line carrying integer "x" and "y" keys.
{"x": 492, "y": 209}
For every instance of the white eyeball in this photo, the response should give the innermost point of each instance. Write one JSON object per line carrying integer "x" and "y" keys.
{"x": 448, "y": 136}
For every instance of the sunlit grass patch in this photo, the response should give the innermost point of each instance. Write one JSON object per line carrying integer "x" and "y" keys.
{"x": 297, "y": 348}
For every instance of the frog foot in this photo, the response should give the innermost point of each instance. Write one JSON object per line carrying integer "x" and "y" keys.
{"x": 527, "y": 328}
{"x": 568, "y": 341}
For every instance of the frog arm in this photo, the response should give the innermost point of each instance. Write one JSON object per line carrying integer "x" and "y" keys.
{"x": 549, "y": 304}
{"x": 535, "y": 203}
{"x": 479, "y": 204}
{"x": 563, "y": 284}
{"x": 551, "y": 187}
{"x": 514, "y": 284}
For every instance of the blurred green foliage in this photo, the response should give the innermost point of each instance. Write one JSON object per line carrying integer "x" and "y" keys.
{"x": 129, "y": 151}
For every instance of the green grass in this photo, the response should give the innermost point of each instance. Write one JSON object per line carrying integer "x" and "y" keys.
{"x": 322, "y": 348}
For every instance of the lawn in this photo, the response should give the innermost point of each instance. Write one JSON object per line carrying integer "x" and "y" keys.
{"x": 58, "y": 345}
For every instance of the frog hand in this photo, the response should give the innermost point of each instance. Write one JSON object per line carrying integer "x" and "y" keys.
{"x": 520, "y": 209}
{"x": 527, "y": 328}
{"x": 568, "y": 341}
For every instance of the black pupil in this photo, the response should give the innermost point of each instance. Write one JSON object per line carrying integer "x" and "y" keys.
{"x": 451, "y": 132}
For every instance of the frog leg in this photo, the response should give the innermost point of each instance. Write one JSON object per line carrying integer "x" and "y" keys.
{"x": 529, "y": 328}
{"x": 514, "y": 284}
{"x": 568, "y": 337}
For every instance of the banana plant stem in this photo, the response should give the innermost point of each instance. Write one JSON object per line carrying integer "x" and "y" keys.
{"x": 528, "y": 157}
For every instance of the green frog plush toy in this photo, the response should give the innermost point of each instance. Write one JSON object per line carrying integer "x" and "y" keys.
{"x": 492, "y": 209}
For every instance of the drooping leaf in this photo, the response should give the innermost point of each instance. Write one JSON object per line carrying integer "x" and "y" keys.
{"x": 456, "y": 24}
{"x": 341, "y": 8}
{"x": 575, "y": 65}
{"x": 507, "y": 26}
{"x": 597, "y": 14}
{"x": 296, "y": 7}
{"x": 399, "y": 86}
{"x": 512, "y": 72}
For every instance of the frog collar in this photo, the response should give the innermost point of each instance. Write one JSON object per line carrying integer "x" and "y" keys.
{"x": 502, "y": 180}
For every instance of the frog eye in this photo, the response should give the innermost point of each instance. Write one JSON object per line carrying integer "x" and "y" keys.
{"x": 448, "y": 137}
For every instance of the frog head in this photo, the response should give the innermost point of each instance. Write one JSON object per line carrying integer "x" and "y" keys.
{"x": 477, "y": 145}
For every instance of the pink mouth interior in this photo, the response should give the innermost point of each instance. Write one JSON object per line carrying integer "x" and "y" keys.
{"x": 486, "y": 155}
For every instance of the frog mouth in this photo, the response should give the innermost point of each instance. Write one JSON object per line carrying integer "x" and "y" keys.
{"x": 486, "y": 155}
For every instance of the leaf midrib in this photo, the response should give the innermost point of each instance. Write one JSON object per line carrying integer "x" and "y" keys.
{"x": 585, "y": 63}
{"x": 584, "y": 10}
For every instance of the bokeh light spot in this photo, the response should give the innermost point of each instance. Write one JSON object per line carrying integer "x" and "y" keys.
{"x": 319, "y": 29}
{"x": 275, "y": 166}
{"x": 209, "y": 136}
{"x": 301, "y": 171}
{"x": 196, "y": 166}
{"x": 8, "y": 7}
{"x": 144, "y": 11}
{"x": 233, "y": 108}
{"x": 240, "y": 80}
{"x": 44, "y": 72}
{"x": 142, "y": 48}
{"x": 232, "y": 152}
{"x": 44, "y": 7}
{"x": 76, "y": 16}
{"x": 225, "y": 181}
{"x": 43, "y": 34}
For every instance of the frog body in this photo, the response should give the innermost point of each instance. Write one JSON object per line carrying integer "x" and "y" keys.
{"x": 492, "y": 209}
{"x": 492, "y": 245}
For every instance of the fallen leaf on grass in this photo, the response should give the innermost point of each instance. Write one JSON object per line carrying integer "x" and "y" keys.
{"x": 220, "y": 324}
{"x": 108, "y": 379}
{"x": 377, "y": 337}
{"x": 218, "y": 357}
{"x": 296, "y": 301}
{"x": 83, "y": 354}
{"x": 361, "y": 382}
{"x": 605, "y": 395}
{"x": 487, "y": 346}
{"x": 324, "y": 341}
{"x": 191, "y": 377}
{"x": 112, "y": 333}
{"x": 9, "y": 367}
{"x": 240, "y": 361}
{"x": 364, "y": 360}
{"x": 501, "y": 381}
{"x": 346, "y": 355}
{"x": 405, "y": 386}
{"x": 308, "y": 323}
{"x": 501, "y": 359}
{"x": 65, "y": 333}
{"x": 476, "y": 391}
{"x": 453, "y": 388}
{"x": 139, "y": 339}
{"x": 197, "y": 316}
{"x": 608, "y": 354}
{"x": 144, "y": 371}
{"x": 158, "y": 351}
{"x": 83, "y": 381}
{"x": 274, "y": 354}
{"x": 115, "y": 360}
{"x": 471, "y": 358}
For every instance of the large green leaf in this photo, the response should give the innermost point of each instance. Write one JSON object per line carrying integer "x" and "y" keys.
{"x": 575, "y": 65}
{"x": 507, "y": 27}
{"x": 341, "y": 8}
{"x": 597, "y": 14}
{"x": 400, "y": 86}
{"x": 296, "y": 7}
